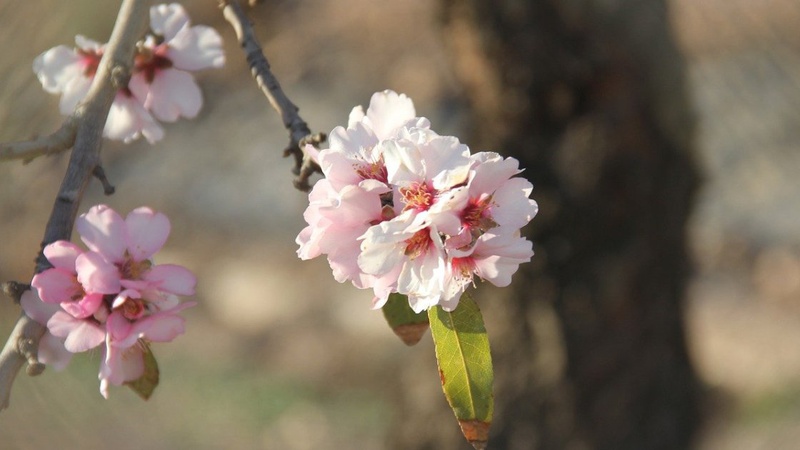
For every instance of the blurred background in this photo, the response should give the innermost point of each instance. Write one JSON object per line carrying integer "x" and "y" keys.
{"x": 278, "y": 355}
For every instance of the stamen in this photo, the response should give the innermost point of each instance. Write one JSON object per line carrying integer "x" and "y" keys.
{"x": 418, "y": 196}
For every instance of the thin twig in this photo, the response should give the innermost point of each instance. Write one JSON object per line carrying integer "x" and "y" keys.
{"x": 268, "y": 83}
{"x": 91, "y": 114}
{"x": 59, "y": 141}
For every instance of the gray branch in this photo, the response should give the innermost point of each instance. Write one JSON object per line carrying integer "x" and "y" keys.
{"x": 299, "y": 133}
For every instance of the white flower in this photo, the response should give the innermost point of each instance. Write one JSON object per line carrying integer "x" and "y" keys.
{"x": 70, "y": 72}
{"x": 161, "y": 79}
{"x": 161, "y": 83}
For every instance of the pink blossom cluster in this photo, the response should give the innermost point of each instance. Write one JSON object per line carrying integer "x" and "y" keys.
{"x": 405, "y": 210}
{"x": 161, "y": 85}
{"x": 111, "y": 294}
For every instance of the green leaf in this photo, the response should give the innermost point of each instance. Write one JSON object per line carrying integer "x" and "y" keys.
{"x": 405, "y": 323}
{"x": 465, "y": 367}
{"x": 146, "y": 384}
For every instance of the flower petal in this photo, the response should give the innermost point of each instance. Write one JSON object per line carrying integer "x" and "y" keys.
{"x": 147, "y": 231}
{"x": 128, "y": 120}
{"x": 57, "y": 285}
{"x": 81, "y": 335}
{"x": 172, "y": 94}
{"x": 85, "y": 307}
{"x": 172, "y": 278}
{"x": 97, "y": 275}
{"x": 62, "y": 254}
{"x": 168, "y": 20}
{"x": 56, "y": 67}
{"x": 195, "y": 48}
{"x": 120, "y": 364}
{"x": 52, "y": 352}
{"x": 36, "y": 309}
{"x": 103, "y": 231}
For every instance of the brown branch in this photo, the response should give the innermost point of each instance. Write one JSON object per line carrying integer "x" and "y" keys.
{"x": 90, "y": 115}
{"x": 268, "y": 83}
{"x": 60, "y": 140}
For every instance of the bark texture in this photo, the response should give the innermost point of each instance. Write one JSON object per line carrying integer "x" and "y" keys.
{"x": 589, "y": 346}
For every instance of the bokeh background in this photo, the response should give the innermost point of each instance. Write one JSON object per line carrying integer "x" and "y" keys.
{"x": 277, "y": 354}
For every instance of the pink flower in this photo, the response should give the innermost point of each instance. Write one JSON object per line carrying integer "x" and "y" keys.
{"x": 161, "y": 79}
{"x": 129, "y": 244}
{"x": 405, "y": 210}
{"x": 70, "y": 72}
{"x": 112, "y": 293}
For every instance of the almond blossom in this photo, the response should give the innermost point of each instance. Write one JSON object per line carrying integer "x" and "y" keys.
{"x": 110, "y": 294}
{"x": 161, "y": 80}
{"x": 405, "y": 210}
{"x": 161, "y": 84}
{"x": 70, "y": 72}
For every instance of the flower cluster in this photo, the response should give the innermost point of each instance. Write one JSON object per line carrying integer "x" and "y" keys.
{"x": 160, "y": 87}
{"x": 403, "y": 209}
{"x": 111, "y": 294}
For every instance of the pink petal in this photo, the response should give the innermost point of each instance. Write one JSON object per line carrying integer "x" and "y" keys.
{"x": 36, "y": 309}
{"x": 52, "y": 352}
{"x": 62, "y": 254}
{"x": 81, "y": 335}
{"x": 195, "y": 48}
{"x": 119, "y": 329}
{"x": 56, "y": 285}
{"x": 168, "y": 20}
{"x": 85, "y": 307}
{"x": 103, "y": 231}
{"x": 172, "y": 278}
{"x": 163, "y": 327}
{"x": 96, "y": 274}
{"x": 147, "y": 232}
{"x": 120, "y": 365}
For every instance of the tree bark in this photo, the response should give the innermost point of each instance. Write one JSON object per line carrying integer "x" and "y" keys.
{"x": 589, "y": 347}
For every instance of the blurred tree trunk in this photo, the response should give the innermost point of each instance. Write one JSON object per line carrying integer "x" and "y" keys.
{"x": 589, "y": 347}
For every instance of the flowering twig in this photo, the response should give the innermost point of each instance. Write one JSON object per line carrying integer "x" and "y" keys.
{"x": 60, "y": 140}
{"x": 299, "y": 133}
{"x": 113, "y": 71}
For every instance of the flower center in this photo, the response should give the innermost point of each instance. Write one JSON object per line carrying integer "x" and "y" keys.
{"x": 418, "y": 244}
{"x": 418, "y": 196}
{"x": 149, "y": 61}
{"x": 133, "y": 270}
{"x": 373, "y": 171}
{"x": 476, "y": 215}
{"x": 132, "y": 309}
{"x": 90, "y": 60}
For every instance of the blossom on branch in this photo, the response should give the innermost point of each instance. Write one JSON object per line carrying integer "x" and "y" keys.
{"x": 405, "y": 210}
{"x": 161, "y": 85}
{"x": 110, "y": 294}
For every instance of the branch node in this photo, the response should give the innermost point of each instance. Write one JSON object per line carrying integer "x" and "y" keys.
{"x": 14, "y": 290}
{"x": 100, "y": 174}
{"x": 120, "y": 76}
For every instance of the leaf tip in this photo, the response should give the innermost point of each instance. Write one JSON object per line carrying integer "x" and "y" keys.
{"x": 411, "y": 333}
{"x": 476, "y": 432}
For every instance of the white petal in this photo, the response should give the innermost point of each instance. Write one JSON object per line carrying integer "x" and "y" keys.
{"x": 196, "y": 48}
{"x": 56, "y": 67}
{"x": 168, "y": 20}
{"x": 172, "y": 94}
